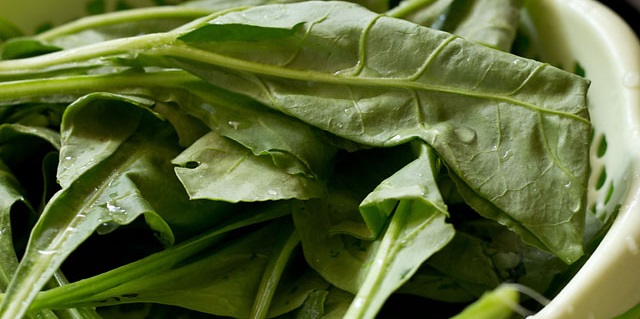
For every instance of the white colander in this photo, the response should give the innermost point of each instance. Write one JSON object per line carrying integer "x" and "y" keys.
{"x": 586, "y": 32}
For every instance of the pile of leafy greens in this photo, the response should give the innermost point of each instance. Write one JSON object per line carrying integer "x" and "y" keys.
{"x": 298, "y": 159}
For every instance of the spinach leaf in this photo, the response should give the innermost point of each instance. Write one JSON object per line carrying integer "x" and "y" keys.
{"x": 426, "y": 13}
{"x": 496, "y": 304}
{"x": 416, "y": 230}
{"x": 113, "y": 186}
{"x": 100, "y": 28}
{"x": 490, "y": 22}
{"x": 11, "y": 195}
{"x": 17, "y": 48}
{"x": 293, "y": 146}
{"x": 219, "y": 169}
{"x": 21, "y": 187}
{"x": 96, "y": 290}
{"x": 372, "y": 271}
{"x": 233, "y": 267}
{"x": 8, "y": 30}
{"x": 19, "y": 191}
{"x": 454, "y": 95}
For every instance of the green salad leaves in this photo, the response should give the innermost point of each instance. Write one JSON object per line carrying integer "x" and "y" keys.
{"x": 287, "y": 159}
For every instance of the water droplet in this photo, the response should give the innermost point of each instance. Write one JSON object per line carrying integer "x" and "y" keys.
{"x": 519, "y": 63}
{"x": 632, "y": 245}
{"x": 68, "y": 158}
{"x": 234, "y": 124}
{"x": 506, "y": 155}
{"x": 577, "y": 206}
{"x": 405, "y": 242}
{"x": 358, "y": 302}
{"x": 631, "y": 80}
{"x": 272, "y": 192}
{"x": 114, "y": 208}
{"x": 107, "y": 227}
{"x": 396, "y": 138}
{"x": 465, "y": 134}
{"x": 208, "y": 107}
{"x": 47, "y": 252}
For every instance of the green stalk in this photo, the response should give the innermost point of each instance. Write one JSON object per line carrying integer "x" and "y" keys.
{"x": 12, "y": 92}
{"x": 74, "y": 57}
{"x": 362, "y": 306}
{"x": 496, "y": 304}
{"x": 408, "y": 7}
{"x": 125, "y": 16}
{"x": 85, "y": 290}
{"x": 288, "y": 240}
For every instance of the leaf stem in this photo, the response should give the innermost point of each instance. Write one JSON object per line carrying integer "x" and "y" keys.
{"x": 288, "y": 240}
{"x": 128, "y": 16}
{"x": 407, "y": 7}
{"x": 84, "y": 290}
{"x": 182, "y": 51}
{"x": 75, "y": 56}
{"x": 73, "y": 86}
{"x": 362, "y": 307}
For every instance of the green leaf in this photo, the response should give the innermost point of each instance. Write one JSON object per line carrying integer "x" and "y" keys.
{"x": 120, "y": 24}
{"x": 632, "y": 313}
{"x": 10, "y": 196}
{"x": 417, "y": 229}
{"x": 20, "y": 187}
{"x": 286, "y": 241}
{"x": 464, "y": 262}
{"x": 416, "y": 181}
{"x": 97, "y": 197}
{"x": 217, "y": 168}
{"x": 18, "y": 48}
{"x": 107, "y": 287}
{"x": 426, "y": 15}
{"x": 237, "y": 32}
{"x": 48, "y": 114}
{"x": 373, "y": 270}
{"x": 294, "y": 146}
{"x": 489, "y": 22}
{"x": 188, "y": 103}
{"x": 496, "y": 304}
{"x": 234, "y": 270}
{"x": 8, "y": 30}
{"x": 366, "y": 88}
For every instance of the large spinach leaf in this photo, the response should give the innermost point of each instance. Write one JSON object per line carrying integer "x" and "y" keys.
{"x": 479, "y": 108}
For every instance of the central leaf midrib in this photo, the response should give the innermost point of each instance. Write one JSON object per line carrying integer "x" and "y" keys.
{"x": 181, "y": 51}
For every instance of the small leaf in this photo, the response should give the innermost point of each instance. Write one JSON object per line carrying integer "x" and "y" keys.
{"x": 218, "y": 168}
{"x": 97, "y": 195}
{"x": 18, "y": 48}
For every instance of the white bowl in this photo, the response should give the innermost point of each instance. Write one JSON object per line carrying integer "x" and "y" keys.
{"x": 587, "y": 32}
{"x": 565, "y": 32}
